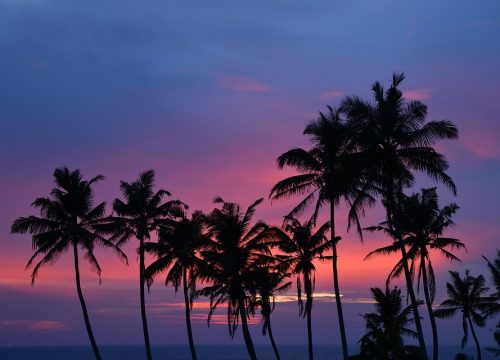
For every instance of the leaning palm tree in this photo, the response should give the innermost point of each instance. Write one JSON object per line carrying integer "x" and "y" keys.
{"x": 397, "y": 142}
{"x": 328, "y": 173}
{"x": 387, "y": 327}
{"x": 140, "y": 214}
{"x": 268, "y": 282}
{"x": 422, "y": 226}
{"x": 178, "y": 252}
{"x": 301, "y": 249}
{"x": 466, "y": 295}
{"x": 235, "y": 249}
{"x": 67, "y": 221}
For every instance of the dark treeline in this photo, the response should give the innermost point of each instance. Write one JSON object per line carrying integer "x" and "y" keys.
{"x": 361, "y": 153}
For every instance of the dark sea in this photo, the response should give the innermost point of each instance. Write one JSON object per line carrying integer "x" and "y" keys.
{"x": 181, "y": 352}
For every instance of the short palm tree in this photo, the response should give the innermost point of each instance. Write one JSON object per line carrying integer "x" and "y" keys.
{"x": 397, "y": 142}
{"x": 422, "y": 225}
{"x": 140, "y": 214}
{"x": 301, "y": 248}
{"x": 466, "y": 295}
{"x": 387, "y": 327}
{"x": 494, "y": 268}
{"x": 269, "y": 280}
{"x": 328, "y": 173}
{"x": 178, "y": 252}
{"x": 67, "y": 221}
{"x": 236, "y": 248}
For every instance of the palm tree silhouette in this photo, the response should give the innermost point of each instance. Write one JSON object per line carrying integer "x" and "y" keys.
{"x": 68, "y": 219}
{"x": 268, "y": 281}
{"x": 494, "y": 268}
{"x": 142, "y": 213}
{"x": 235, "y": 249}
{"x": 177, "y": 250}
{"x": 301, "y": 248}
{"x": 329, "y": 172}
{"x": 397, "y": 142}
{"x": 422, "y": 225}
{"x": 386, "y": 327}
{"x": 466, "y": 295}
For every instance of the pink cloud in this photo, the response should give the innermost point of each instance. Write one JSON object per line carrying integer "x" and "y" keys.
{"x": 34, "y": 324}
{"x": 241, "y": 83}
{"x": 483, "y": 144}
{"x": 330, "y": 94}
{"x": 418, "y": 94}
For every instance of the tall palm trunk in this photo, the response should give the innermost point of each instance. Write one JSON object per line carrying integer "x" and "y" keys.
{"x": 428, "y": 302}
{"x": 246, "y": 331}
{"x": 336, "y": 282}
{"x": 188, "y": 317}
{"x": 309, "y": 300}
{"x": 390, "y": 208}
{"x": 478, "y": 348}
{"x": 82, "y": 303}
{"x": 143, "y": 302}
{"x": 271, "y": 337}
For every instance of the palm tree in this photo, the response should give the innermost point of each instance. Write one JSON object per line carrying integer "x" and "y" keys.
{"x": 177, "y": 250}
{"x": 328, "y": 173}
{"x": 301, "y": 249}
{"x": 268, "y": 281}
{"x": 67, "y": 220}
{"x": 494, "y": 268}
{"x": 235, "y": 249}
{"x": 387, "y": 327}
{"x": 466, "y": 295}
{"x": 397, "y": 142}
{"x": 422, "y": 225}
{"x": 141, "y": 214}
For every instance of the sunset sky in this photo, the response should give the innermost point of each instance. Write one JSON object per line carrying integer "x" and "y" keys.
{"x": 209, "y": 94}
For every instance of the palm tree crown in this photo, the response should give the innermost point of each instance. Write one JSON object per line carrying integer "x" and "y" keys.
{"x": 387, "y": 327}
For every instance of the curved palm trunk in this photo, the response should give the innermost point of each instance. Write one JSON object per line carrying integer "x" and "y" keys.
{"x": 478, "y": 348}
{"x": 391, "y": 205}
{"x": 271, "y": 337}
{"x": 143, "y": 303}
{"x": 188, "y": 317}
{"x": 336, "y": 283}
{"x": 428, "y": 302}
{"x": 246, "y": 331}
{"x": 309, "y": 301}
{"x": 84, "y": 306}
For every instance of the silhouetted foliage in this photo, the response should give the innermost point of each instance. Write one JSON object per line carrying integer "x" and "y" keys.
{"x": 177, "y": 252}
{"x": 466, "y": 295}
{"x": 236, "y": 249}
{"x": 421, "y": 226}
{"x": 140, "y": 213}
{"x": 329, "y": 172}
{"x": 68, "y": 221}
{"x": 387, "y": 327}
{"x": 397, "y": 142}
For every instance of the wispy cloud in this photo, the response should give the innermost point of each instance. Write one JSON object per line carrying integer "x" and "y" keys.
{"x": 43, "y": 325}
{"x": 418, "y": 94}
{"x": 331, "y": 94}
{"x": 241, "y": 83}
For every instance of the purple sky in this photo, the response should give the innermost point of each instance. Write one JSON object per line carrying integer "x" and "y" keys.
{"x": 209, "y": 94}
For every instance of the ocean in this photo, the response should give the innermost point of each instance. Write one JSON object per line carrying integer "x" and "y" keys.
{"x": 181, "y": 352}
